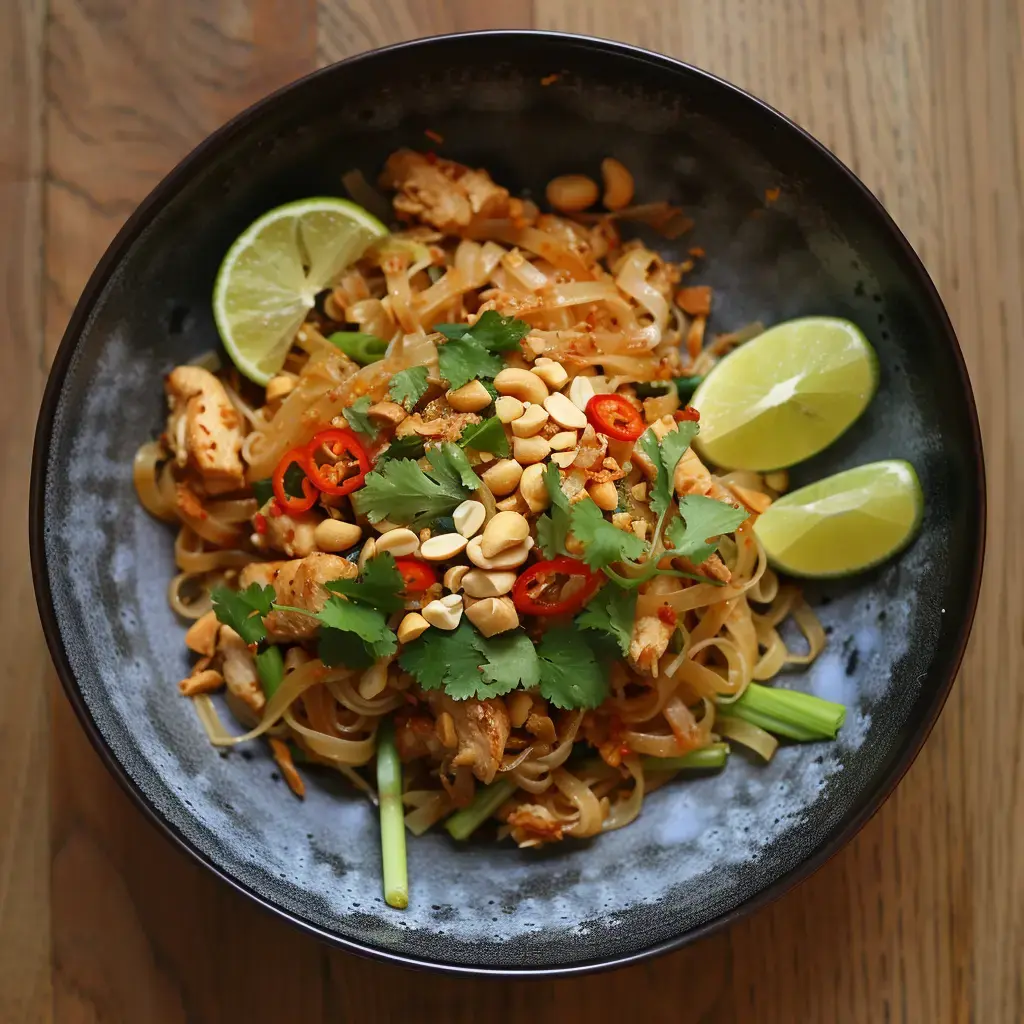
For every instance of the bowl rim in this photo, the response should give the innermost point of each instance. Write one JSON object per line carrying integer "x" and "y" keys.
{"x": 134, "y": 226}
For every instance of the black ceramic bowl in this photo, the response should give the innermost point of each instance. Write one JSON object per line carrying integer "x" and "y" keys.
{"x": 704, "y": 851}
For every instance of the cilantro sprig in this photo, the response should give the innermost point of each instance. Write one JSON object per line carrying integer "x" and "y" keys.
{"x": 357, "y": 415}
{"x": 611, "y": 611}
{"x": 486, "y": 436}
{"x": 407, "y": 387}
{"x": 572, "y": 675}
{"x": 243, "y": 610}
{"x": 553, "y": 527}
{"x": 400, "y": 491}
{"x": 473, "y": 351}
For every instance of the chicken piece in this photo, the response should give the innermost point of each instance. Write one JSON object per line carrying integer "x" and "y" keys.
{"x": 292, "y": 534}
{"x": 649, "y": 642}
{"x": 482, "y": 727}
{"x": 713, "y": 566}
{"x": 443, "y": 193}
{"x": 202, "y": 634}
{"x": 299, "y": 583}
{"x": 533, "y": 824}
{"x": 239, "y": 669}
{"x": 202, "y": 680}
{"x": 691, "y": 475}
{"x": 203, "y": 429}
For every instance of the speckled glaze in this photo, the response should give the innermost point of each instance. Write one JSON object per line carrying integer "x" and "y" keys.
{"x": 704, "y": 850}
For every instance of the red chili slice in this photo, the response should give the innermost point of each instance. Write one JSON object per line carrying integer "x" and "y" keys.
{"x": 528, "y": 588}
{"x": 418, "y": 575}
{"x": 615, "y": 416}
{"x": 686, "y": 414}
{"x": 300, "y": 457}
{"x": 325, "y": 476}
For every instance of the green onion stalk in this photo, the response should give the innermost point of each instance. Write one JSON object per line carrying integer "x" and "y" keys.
{"x": 362, "y": 348}
{"x": 462, "y": 824}
{"x": 712, "y": 756}
{"x": 392, "y": 819}
{"x": 797, "y": 716}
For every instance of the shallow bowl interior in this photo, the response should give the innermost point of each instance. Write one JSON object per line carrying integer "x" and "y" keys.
{"x": 703, "y": 850}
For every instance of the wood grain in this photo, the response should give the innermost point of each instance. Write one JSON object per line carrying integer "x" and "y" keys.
{"x": 920, "y": 919}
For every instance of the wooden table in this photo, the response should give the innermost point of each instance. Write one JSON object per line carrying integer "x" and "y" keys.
{"x": 920, "y": 919}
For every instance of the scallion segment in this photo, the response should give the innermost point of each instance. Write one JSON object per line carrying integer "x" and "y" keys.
{"x": 270, "y": 669}
{"x": 462, "y": 824}
{"x": 392, "y": 819}
{"x": 363, "y": 348}
{"x": 713, "y": 756}
{"x": 797, "y": 716}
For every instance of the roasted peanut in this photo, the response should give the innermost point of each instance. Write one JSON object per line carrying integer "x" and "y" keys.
{"x": 530, "y": 449}
{"x": 533, "y": 489}
{"x": 508, "y": 408}
{"x": 368, "y": 551}
{"x": 565, "y": 412}
{"x": 443, "y": 547}
{"x": 454, "y": 576}
{"x": 412, "y": 626}
{"x": 563, "y": 440}
{"x": 521, "y": 384}
{"x": 481, "y": 583}
{"x": 400, "y": 542}
{"x": 469, "y": 517}
{"x": 471, "y": 397}
{"x": 605, "y": 496}
{"x": 553, "y": 374}
{"x": 510, "y": 558}
{"x": 505, "y": 530}
{"x": 503, "y": 477}
{"x": 279, "y": 386}
{"x": 618, "y": 184}
{"x": 334, "y": 535}
{"x": 493, "y": 615}
{"x": 571, "y": 193}
{"x": 445, "y": 612}
{"x": 581, "y": 391}
{"x": 530, "y": 422}
{"x": 564, "y": 459}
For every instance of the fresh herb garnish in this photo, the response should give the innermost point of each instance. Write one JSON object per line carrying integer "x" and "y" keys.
{"x": 263, "y": 490}
{"x": 472, "y": 351}
{"x": 357, "y": 415}
{"x": 553, "y": 527}
{"x": 243, "y": 610}
{"x": 602, "y": 542}
{"x": 407, "y": 387}
{"x": 409, "y": 447}
{"x": 464, "y": 663}
{"x": 702, "y": 518}
{"x": 665, "y": 457}
{"x": 487, "y": 436}
{"x": 611, "y": 610}
{"x": 380, "y": 585}
{"x": 571, "y": 675}
{"x": 400, "y": 491}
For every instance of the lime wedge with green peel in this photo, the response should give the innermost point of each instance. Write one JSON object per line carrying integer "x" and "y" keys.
{"x": 844, "y": 523}
{"x": 270, "y": 277}
{"x": 785, "y": 395}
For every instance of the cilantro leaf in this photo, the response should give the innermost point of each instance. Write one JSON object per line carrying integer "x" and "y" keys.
{"x": 336, "y": 647}
{"x": 612, "y": 611}
{"x": 380, "y": 585}
{"x": 367, "y": 623}
{"x": 665, "y": 457}
{"x": 492, "y": 331}
{"x": 511, "y": 660}
{"x": 243, "y": 610}
{"x": 450, "y": 466}
{"x": 407, "y": 387}
{"x": 357, "y": 417}
{"x": 471, "y": 350}
{"x": 409, "y": 447}
{"x": 462, "y": 360}
{"x": 343, "y": 624}
{"x": 488, "y": 436}
{"x": 552, "y": 528}
{"x": 703, "y": 520}
{"x": 402, "y": 492}
{"x": 466, "y": 664}
{"x": 570, "y": 675}
{"x": 602, "y": 542}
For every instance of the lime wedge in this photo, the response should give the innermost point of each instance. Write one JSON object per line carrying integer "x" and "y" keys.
{"x": 270, "y": 277}
{"x": 786, "y": 394}
{"x": 844, "y": 523}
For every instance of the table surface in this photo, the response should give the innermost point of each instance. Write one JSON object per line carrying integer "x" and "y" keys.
{"x": 919, "y": 919}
